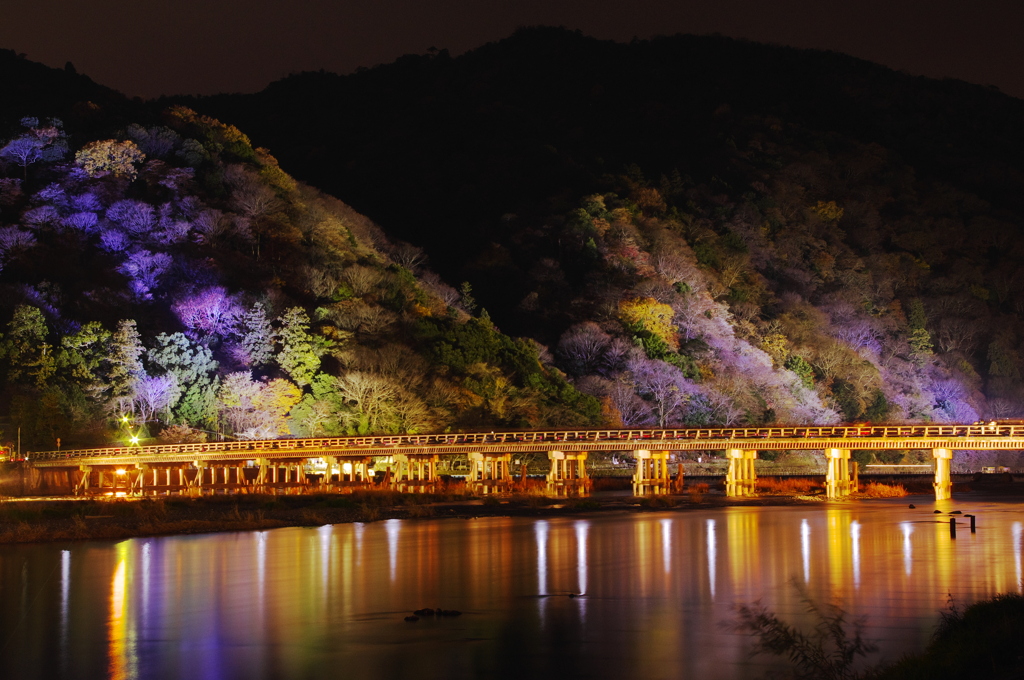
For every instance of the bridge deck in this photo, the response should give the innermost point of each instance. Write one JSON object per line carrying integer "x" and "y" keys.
{"x": 954, "y": 437}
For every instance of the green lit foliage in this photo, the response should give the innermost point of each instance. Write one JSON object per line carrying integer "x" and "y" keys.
{"x": 194, "y": 369}
{"x": 30, "y": 359}
{"x": 503, "y": 378}
{"x": 799, "y": 365}
{"x": 300, "y": 351}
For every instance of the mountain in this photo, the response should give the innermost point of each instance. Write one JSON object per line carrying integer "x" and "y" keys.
{"x": 689, "y": 229}
{"x": 834, "y": 219}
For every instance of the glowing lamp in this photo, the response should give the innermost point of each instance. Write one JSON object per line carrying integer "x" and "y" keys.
{"x": 370, "y": 472}
{"x": 134, "y": 439}
{"x": 346, "y": 468}
{"x": 119, "y": 472}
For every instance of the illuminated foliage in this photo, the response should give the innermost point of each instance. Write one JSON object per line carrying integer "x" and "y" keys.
{"x": 110, "y": 157}
{"x": 647, "y": 314}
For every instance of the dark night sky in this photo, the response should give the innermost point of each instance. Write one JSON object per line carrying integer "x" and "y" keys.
{"x": 149, "y": 47}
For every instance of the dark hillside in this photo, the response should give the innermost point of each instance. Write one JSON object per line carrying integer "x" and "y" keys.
{"x": 545, "y": 114}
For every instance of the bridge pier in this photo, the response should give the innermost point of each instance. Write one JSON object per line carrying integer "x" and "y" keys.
{"x": 651, "y": 477}
{"x": 489, "y": 472}
{"x": 568, "y": 475}
{"x": 943, "y": 484}
{"x": 82, "y": 487}
{"x": 837, "y": 476}
{"x": 741, "y": 479}
{"x": 415, "y": 472}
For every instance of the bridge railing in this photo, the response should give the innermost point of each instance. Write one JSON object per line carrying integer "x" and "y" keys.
{"x": 327, "y": 445}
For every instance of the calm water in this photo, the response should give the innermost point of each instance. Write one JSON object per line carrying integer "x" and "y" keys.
{"x": 330, "y": 602}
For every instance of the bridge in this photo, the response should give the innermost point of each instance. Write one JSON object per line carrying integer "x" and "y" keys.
{"x": 412, "y": 459}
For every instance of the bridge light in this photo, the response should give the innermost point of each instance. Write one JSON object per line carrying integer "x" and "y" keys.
{"x": 346, "y": 468}
{"x": 134, "y": 439}
{"x": 119, "y": 472}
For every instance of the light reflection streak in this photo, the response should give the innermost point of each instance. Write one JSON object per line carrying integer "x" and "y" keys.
{"x": 581, "y": 555}
{"x": 855, "y": 540}
{"x": 711, "y": 556}
{"x": 582, "y": 527}
{"x": 908, "y": 529}
{"x": 146, "y": 559}
{"x": 1017, "y": 530}
{"x": 541, "y": 529}
{"x": 325, "y": 554}
{"x": 120, "y": 633}
{"x": 805, "y": 548}
{"x": 391, "y": 527}
{"x": 65, "y": 585}
{"x": 261, "y": 565}
{"x": 666, "y": 544}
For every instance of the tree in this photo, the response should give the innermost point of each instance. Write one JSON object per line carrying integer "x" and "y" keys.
{"x": 300, "y": 352}
{"x": 154, "y": 394}
{"x": 647, "y": 314}
{"x": 253, "y": 409}
{"x": 582, "y": 347}
{"x": 663, "y": 386}
{"x": 110, "y": 157}
{"x": 257, "y": 335}
{"x": 125, "y": 363}
{"x": 84, "y": 358}
{"x": 194, "y": 368}
{"x": 145, "y": 269}
{"x": 29, "y": 357}
{"x": 211, "y": 312}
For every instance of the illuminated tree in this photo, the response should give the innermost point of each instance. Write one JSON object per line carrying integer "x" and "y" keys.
{"x": 30, "y": 359}
{"x": 211, "y": 312}
{"x": 110, "y": 157}
{"x": 652, "y": 316}
{"x": 300, "y": 351}
{"x": 125, "y": 363}
{"x": 194, "y": 368}
{"x": 253, "y": 409}
{"x": 257, "y": 335}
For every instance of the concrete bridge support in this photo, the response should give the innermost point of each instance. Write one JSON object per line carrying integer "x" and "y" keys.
{"x": 415, "y": 472}
{"x": 651, "y": 477}
{"x": 490, "y": 472}
{"x": 943, "y": 484}
{"x": 568, "y": 475}
{"x": 837, "y": 476}
{"x": 741, "y": 479}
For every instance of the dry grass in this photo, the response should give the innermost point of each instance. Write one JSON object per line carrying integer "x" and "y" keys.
{"x": 786, "y": 486}
{"x": 697, "y": 491}
{"x": 877, "y": 490}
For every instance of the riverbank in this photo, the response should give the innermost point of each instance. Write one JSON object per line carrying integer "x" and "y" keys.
{"x": 42, "y": 520}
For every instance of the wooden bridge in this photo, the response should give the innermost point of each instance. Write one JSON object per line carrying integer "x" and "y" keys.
{"x": 412, "y": 459}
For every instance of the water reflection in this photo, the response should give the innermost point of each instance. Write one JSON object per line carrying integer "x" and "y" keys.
{"x": 712, "y": 554}
{"x": 805, "y": 548}
{"x": 908, "y": 549}
{"x": 1017, "y": 529}
{"x": 317, "y": 602}
{"x": 855, "y": 556}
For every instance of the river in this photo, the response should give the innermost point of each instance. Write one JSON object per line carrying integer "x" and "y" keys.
{"x": 656, "y": 593}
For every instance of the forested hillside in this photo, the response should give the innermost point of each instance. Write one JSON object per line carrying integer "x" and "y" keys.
{"x": 172, "y": 283}
{"x": 786, "y": 235}
{"x": 684, "y": 230}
